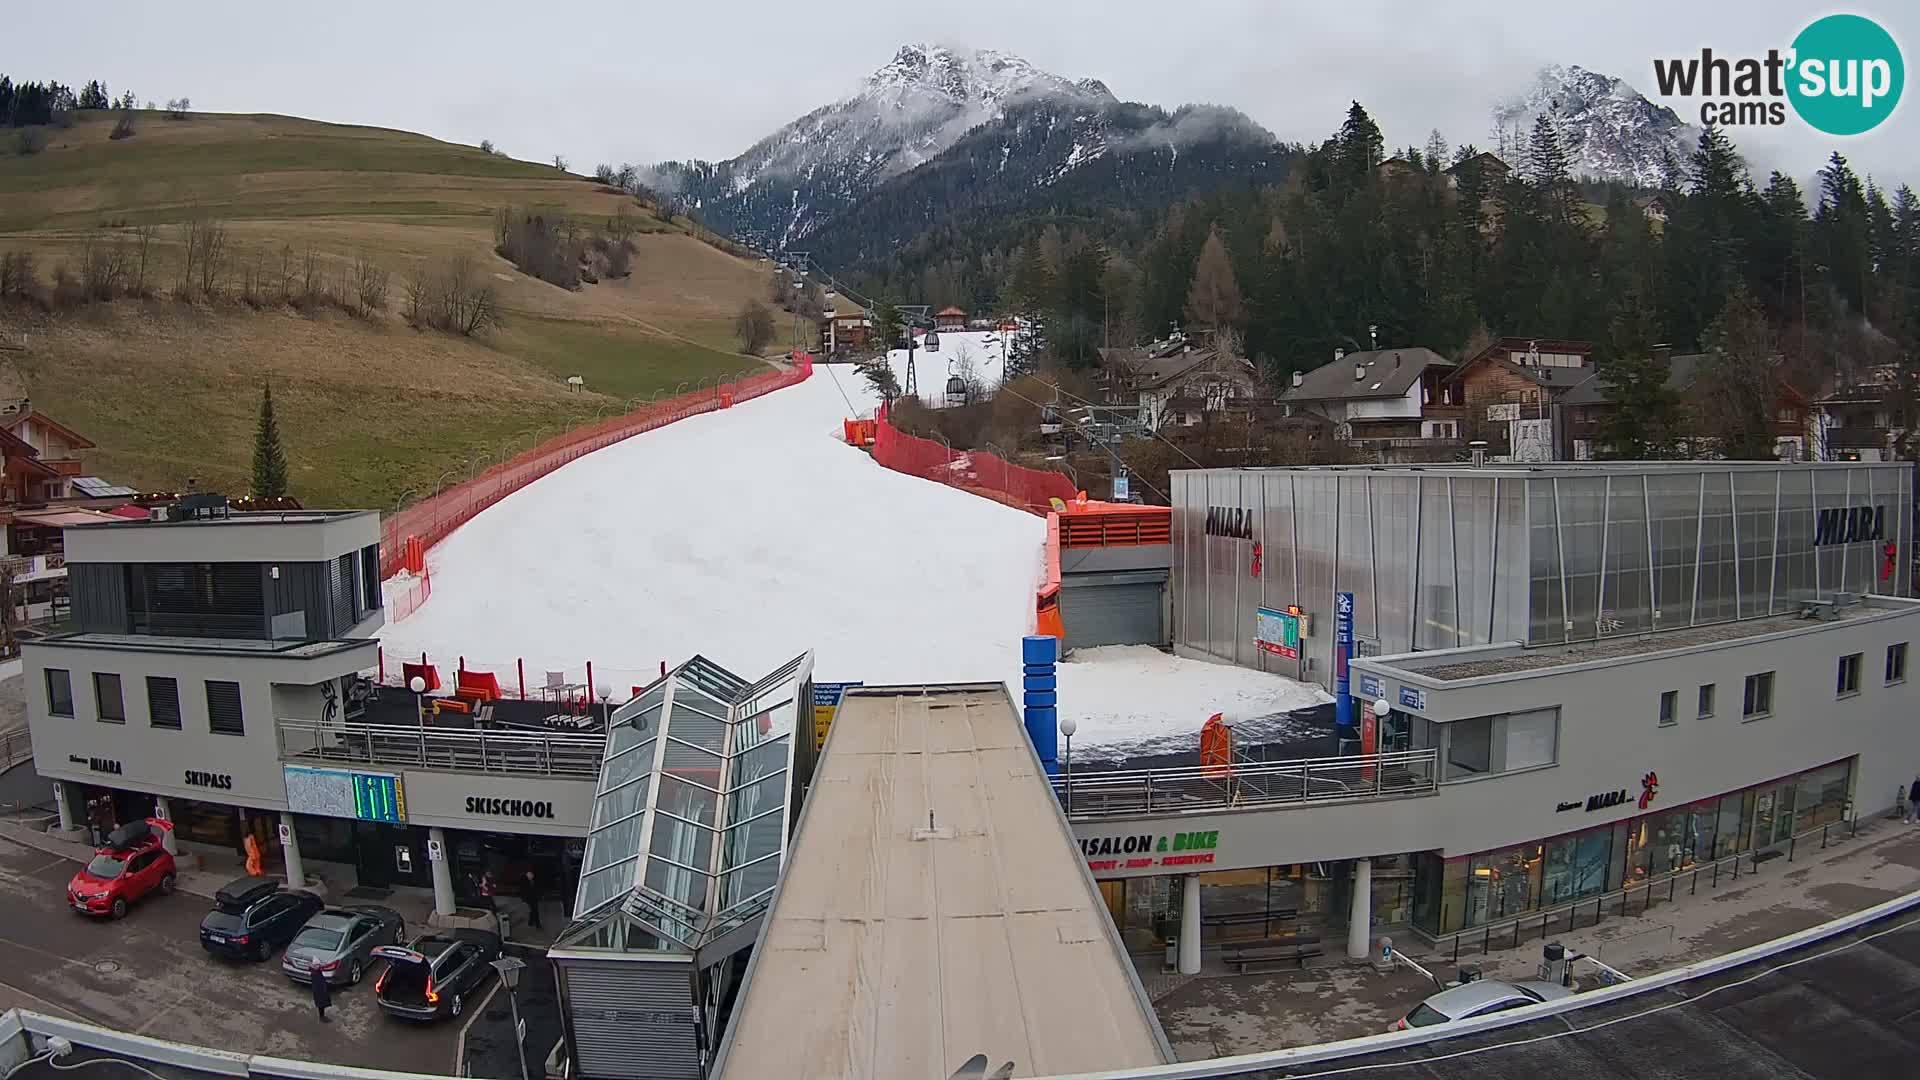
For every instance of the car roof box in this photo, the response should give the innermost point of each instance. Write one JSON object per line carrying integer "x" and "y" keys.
{"x": 242, "y": 892}
{"x": 129, "y": 836}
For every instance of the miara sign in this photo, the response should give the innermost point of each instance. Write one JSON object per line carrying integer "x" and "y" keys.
{"x": 1230, "y": 521}
{"x": 1847, "y": 525}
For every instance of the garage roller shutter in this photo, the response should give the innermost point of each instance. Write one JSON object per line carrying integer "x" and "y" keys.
{"x": 1113, "y": 609}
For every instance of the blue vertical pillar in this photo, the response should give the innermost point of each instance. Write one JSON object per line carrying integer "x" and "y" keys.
{"x": 1038, "y": 652}
{"x": 1344, "y": 727}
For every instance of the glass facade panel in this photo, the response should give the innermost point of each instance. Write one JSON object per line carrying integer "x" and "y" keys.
{"x": 1442, "y": 557}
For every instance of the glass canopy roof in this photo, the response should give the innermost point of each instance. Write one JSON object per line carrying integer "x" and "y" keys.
{"x": 689, "y": 823}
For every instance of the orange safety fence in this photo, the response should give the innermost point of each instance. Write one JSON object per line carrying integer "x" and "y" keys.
{"x": 982, "y": 473}
{"x": 432, "y": 519}
{"x": 1046, "y": 602}
{"x": 409, "y": 601}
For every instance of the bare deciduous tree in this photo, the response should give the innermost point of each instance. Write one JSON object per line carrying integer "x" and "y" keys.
{"x": 369, "y": 284}
{"x": 753, "y": 326}
{"x": 190, "y": 256}
{"x": 143, "y": 247}
{"x": 213, "y": 255}
{"x": 560, "y": 162}
{"x": 310, "y": 283}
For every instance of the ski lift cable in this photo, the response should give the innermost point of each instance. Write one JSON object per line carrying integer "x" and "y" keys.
{"x": 1093, "y": 439}
{"x": 1151, "y": 433}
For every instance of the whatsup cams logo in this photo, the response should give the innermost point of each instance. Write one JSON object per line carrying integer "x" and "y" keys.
{"x": 1843, "y": 75}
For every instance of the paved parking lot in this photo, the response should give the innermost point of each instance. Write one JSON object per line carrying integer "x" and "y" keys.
{"x": 148, "y": 975}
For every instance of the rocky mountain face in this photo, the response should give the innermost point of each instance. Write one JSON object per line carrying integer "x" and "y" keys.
{"x": 1609, "y": 130}
{"x": 938, "y": 131}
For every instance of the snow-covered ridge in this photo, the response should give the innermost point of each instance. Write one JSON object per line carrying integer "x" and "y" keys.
{"x": 1609, "y": 130}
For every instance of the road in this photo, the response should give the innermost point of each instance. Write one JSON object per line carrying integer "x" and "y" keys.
{"x": 148, "y": 975}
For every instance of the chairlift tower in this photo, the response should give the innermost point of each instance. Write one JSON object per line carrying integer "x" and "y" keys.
{"x": 910, "y": 314}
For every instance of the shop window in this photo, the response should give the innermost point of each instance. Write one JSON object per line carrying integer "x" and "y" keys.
{"x": 1669, "y": 707}
{"x": 223, "y": 708}
{"x": 1706, "y": 700}
{"x": 1897, "y": 663}
{"x": 1469, "y": 747}
{"x": 59, "y": 692}
{"x": 1847, "y": 682}
{"x": 1758, "y": 701}
{"x": 106, "y": 698}
{"x": 163, "y": 701}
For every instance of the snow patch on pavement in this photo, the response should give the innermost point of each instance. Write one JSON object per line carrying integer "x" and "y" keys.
{"x": 1131, "y": 699}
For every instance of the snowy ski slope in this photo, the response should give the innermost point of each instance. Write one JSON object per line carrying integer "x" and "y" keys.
{"x": 754, "y": 533}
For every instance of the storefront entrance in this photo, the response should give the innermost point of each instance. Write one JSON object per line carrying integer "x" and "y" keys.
{"x": 388, "y": 855}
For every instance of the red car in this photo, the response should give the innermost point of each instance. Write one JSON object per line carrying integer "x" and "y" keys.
{"x": 137, "y": 860}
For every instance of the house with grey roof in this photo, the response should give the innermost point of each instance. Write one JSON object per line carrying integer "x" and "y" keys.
{"x": 1380, "y": 401}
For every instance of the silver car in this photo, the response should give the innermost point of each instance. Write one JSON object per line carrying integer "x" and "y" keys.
{"x": 338, "y": 943}
{"x": 1479, "y": 998}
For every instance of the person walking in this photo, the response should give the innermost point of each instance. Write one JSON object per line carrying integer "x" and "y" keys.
{"x": 1913, "y": 801}
{"x": 530, "y": 893}
{"x": 322, "y": 994}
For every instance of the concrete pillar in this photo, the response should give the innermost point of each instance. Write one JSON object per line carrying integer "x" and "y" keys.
{"x": 1360, "y": 920}
{"x": 1190, "y": 925}
{"x": 442, "y": 873}
{"x": 161, "y": 809}
{"x": 62, "y": 801}
{"x": 296, "y": 870}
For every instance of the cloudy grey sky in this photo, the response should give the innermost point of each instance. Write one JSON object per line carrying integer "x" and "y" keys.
{"x": 645, "y": 82}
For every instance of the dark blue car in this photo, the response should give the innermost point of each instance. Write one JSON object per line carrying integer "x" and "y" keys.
{"x": 253, "y": 916}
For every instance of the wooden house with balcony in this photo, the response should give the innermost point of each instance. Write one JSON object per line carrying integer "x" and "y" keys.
{"x": 1393, "y": 403}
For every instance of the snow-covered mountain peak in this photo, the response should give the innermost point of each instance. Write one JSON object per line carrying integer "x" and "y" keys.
{"x": 1609, "y": 130}
{"x": 968, "y": 77}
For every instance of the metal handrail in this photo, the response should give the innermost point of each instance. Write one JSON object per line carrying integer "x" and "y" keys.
{"x": 1510, "y": 930}
{"x": 15, "y": 747}
{"x": 460, "y": 749}
{"x": 1305, "y": 780}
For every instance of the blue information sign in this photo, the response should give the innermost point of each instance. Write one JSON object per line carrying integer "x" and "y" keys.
{"x": 1342, "y": 653}
{"x": 1410, "y": 698}
{"x": 1370, "y": 687}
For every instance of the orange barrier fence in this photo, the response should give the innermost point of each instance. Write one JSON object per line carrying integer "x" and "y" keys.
{"x": 432, "y": 519}
{"x": 1100, "y": 524}
{"x": 1046, "y": 602}
{"x": 984, "y": 474}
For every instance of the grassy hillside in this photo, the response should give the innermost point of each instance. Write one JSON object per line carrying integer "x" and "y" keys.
{"x": 371, "y": 409}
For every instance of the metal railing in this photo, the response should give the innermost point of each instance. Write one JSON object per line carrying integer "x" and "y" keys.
{"x": 15, "y": 747}
{"x": 1200, "y": 787}
{"x": 459, "y": 749}
{"x": 1637, "y": 898}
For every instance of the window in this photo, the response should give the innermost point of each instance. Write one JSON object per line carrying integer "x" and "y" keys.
{"x": 106, "y": 698}
{"x": 1706, "y": 700}
{"x": 1669, "y": 706}
{"x": 223, "y": 709}
{"x": 163, "y": 702}
{"x": 59, "y": 692}
{"x": 1470, "y": 747}
{"x": 1759, "y": 697}
{"x": 1897, "y": 663}
{"x": 1848, "y": 681}
{"x": 1532, "y": 739}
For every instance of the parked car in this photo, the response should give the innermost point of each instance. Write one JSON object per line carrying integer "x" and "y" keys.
{"x": 137, "y": 860}
{"x": 338, "y": 943}
{"x": 1479, "y": 998}
{"x": 252, "y": 916}
{"x": 433, "y": 976}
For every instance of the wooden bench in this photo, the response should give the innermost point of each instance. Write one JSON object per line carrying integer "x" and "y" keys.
{"x": 1271, "y": 952}
{"x": 1249, "y": 918}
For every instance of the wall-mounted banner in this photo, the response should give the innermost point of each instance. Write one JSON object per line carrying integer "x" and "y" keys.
{"x": 1277, "y": 632}
{"x": 826, "y": 703}
{"x": 1140, "y": 851}
{"x": 343, "y": 794}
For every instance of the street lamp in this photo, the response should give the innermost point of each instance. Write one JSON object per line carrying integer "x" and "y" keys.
{"x": 1067, "y": 728}
{"x": 419, "y": 686}
{"x": 1381, "y": 709}
{"x": 509, "y": 969}
{"x": 605, "y": 694}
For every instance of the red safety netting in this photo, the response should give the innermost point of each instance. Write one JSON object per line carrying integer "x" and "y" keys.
{"x": 984, "y": 474}
{"x": 432, "y": 519}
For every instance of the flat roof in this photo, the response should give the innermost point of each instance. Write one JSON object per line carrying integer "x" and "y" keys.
{"x": 239, "y": 517}
{"x": 1547, "y": 470}
{"x": 299, "y": 650}
{"x": 1483, "y": 661}
{"x": 892, "y": 951}
{"x": 1840, "y": 1008}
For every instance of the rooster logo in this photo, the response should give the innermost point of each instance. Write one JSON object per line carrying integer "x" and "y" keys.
{"x": 1649, "y": 787}
{"x": 1256, "y": 558}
